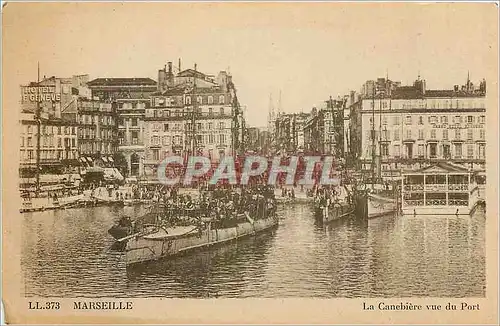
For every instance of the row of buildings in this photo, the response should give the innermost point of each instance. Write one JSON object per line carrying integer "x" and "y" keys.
{"x": 387, "y": 126}
{"x": 129, "y": 122}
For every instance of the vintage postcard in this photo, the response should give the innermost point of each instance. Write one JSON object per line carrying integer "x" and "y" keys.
{"x": 250, "y": 162}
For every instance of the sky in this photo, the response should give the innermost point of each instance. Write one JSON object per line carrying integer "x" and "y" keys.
{"x": 307, "y": 52}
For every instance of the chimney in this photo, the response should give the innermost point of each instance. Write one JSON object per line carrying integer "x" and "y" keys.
{"x": 180, "y": 69}
{"x": 169, "y": 68}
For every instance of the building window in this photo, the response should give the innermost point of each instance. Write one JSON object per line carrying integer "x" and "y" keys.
{"x": 210, "y": 126}
{"x": 221, "y": 99}
{"x": 30, "y": 142}
{"x": 481, "y": 151}
{"x": 396, "y": 134}
{"x": 166, "y": 113}
{"x": 188, "y": 100}
{"x": 408, "y": 120}
{"x": 444, "y": 119}
{"x": 482, "y": 134}
{"x": 156, "y": 154}
{"x": 470, "y": 119}
{"x": 445, "y": 134}
{"x": 384, "y": 149}
{"x": 457, "y": 134}
{"x": 482, "y": 119}
{"x": 210, "y": 99}
{"x": 395, "y": 121}
{"x": 457, "y": 119}
{"x": 433, "y": 133}
{"x": 421, "y": 150}
{"x": 420, "y": 120}
{"x": 221, "y": 111}
{"x": 458, "y": 150}
{"x": 408, "y": 134}
{"x": 135, "y": 138}
{"x": 384, "y": 121}
{"x": 432, "y": 150}
{"x": 420, "y": 134}
{"x": 470, "y": 151}
{"x": 22, "y": 141}
{"x": 211, "y": 138}
{"x": 386, "y": 135}
{"x": 221, "y": 125}
{"x": 397, "y": 151}
{"x": 222, "y": 139}
{"x": 134, "y": 122}
{"x": 470, "y": 135}
{"x": 446, "y": 151}
{"x": 165, "y": 127}
{"x": 199, "y": 100}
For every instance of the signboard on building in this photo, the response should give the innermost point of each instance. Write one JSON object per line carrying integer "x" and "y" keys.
{"x": 33, "y": 94}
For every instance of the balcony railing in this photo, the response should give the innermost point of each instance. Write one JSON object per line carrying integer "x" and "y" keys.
{"x": 435, "y": 202}
{"x": 414, "y": 187}
{"x": 435, "y": 187}
{"x": 419, "y": 202}
{"x": 458, "y": 202}
{"x": 458, "y": 187}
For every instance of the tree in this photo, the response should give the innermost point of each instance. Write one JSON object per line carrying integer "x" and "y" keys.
{"x": 121, "y": 163}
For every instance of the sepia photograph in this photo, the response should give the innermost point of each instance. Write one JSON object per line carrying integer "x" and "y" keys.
{"x": 299, "y": 157}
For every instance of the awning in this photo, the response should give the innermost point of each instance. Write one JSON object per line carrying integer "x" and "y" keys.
{"x": 82, "y": 159}
{"x": 110, "y": 159}
{"x": 89, "y": 159}
{"x": 104, "y": 159}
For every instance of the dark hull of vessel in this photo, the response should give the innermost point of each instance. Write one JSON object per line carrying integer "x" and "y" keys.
{"x": 142, "y": 249}
{"x": 334, "y": 212}
{"x": 119, "y": 232}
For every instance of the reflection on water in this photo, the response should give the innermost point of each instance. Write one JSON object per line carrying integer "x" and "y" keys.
{"x": 65, "y": 254}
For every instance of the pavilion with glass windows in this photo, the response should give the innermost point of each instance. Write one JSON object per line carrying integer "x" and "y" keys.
{"x": 439, "y": 189}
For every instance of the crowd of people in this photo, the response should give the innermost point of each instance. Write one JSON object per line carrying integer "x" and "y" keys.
{"x": 227, "y": 205}
{"x": 332, "y": 195}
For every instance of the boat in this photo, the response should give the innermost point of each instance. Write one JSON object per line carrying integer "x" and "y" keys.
{"x": 36, "y": 204}
{"x": 443, "y": 188}
{"x": 342, "y": 207}
{"x": 382, "y": 197}
{"x": 381, "y": 205}
{"x": 143, "y": 241}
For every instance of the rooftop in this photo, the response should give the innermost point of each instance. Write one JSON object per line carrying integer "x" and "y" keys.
{"x": 121, "y": 82}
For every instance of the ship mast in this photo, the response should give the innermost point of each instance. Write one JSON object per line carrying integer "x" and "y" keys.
{"x": 193, "y": 115}
{"x": 373, "y": 137}
{"x": 38, "y": 130}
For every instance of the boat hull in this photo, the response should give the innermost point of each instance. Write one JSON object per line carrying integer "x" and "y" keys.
{"x": 378, "y": 206}
{"x": 334, "y": 212}
{"x": 142, "y": 249}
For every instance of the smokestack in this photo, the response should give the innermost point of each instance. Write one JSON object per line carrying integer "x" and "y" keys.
{"x": 180, "y": 69}
{"x": 169, "y": 68}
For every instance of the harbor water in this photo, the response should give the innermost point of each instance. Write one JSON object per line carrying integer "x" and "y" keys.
{"x": 65, "y": 253}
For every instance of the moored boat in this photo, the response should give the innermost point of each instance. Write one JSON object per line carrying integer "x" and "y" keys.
{"x": 162, "y": 242}
{"x": 380, "y": 205}
{"x": 33, "y": 204}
